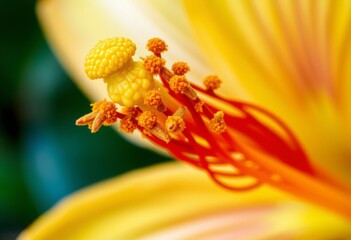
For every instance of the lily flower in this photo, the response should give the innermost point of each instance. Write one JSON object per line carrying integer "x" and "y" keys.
{"x": 289, "y": 61}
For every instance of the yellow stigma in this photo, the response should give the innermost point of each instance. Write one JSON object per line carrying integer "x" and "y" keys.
{"x": 108, "y": 56}
{"x": 199, "y": 106}
{"x": 130, "y": 84}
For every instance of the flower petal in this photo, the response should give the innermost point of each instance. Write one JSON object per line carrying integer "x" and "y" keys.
{"x": 161, "y": 200}
{"x": 291, "y": 57}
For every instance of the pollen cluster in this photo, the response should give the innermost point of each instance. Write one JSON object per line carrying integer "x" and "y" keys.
{"x": 107, "y": 109}
{"x": 147, "y": 120}
{"x": 179, "y": 84}
{"x": 154, "y": 64}
{"x": 180, "y": 68}
{"x": 156, "y": 46}
{"x": 153, "y": 98}
{"x": 108, "y": 56}
{"x": 212, "y": 82}
{"x": 175, "y": 124}
{"x": 128, "y": 124}
{"x": 217, "y": 123}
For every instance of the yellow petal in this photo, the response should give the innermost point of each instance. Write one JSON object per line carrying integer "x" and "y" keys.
{"x": 293, "y": 58}
{"x": 175, "y": 200}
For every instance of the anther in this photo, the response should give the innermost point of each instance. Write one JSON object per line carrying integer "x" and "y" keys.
{"x": 153, "y": 99}
{"x": 175, "y": 123}
{"x": 148, "y": 120}
{"x": 128, "y": 124}
{"x": 212, "y": 82}
{"x": 180, "y": 68}
{"x": 217, "y": 123}
{"x": 179, "y": 84}
{"x": 154, "y": 64}
{"x": 198, "y": 106}
{"x": 103, "y": 113}
{"x": 156, "y": 46}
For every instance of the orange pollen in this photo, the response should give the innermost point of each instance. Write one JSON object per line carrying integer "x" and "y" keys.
{"x": 147, "y": 120}
{"x": 180, "y": 68}
{"x": 128, "y": 124}
{"x": 198, "y": 106}
{"x": 179, "y": 84}
{"x": 217, "y": 123}
{"x": 153, "y": 98}
{"x": 154, "y": 64}
{"x": 212, "y": 82}
{"x": 157, "y": 46}
{"x": 175, "y": 124}
{"x": 108, "y": 109}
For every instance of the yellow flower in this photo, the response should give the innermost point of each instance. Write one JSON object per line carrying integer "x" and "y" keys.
{"x": 291, "y": 57}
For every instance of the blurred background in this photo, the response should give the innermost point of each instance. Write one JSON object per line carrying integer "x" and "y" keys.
{"x": 43, "y": 155}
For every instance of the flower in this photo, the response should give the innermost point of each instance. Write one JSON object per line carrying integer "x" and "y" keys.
{"x": 282, "y": 54}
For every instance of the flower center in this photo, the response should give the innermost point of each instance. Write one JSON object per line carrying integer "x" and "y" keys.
{"x": 239, "y": 145}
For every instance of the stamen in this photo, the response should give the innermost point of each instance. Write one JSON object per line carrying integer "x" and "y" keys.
{"x": 198, "y": 106}
{"x": 153, "y": 99}
{"x": 156, "y": 46}
{"x": 128, "y": 124}
{"x": 179, "y": 84}
{"x": 212, "y": 82}
{"x": 217, "y": 123}
{"x": 247, "y": 146}
{"x": 175, "y": 123}
{"x": 103, "y": 113}
{"x": 147, "y": 120}
{"x": 180, "y": 68}
{"x": 154, "y": 64}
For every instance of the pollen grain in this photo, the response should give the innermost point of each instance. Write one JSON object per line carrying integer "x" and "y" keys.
{"x": 212, "y": 82}
{"x": 217, "y": 123}
{"x": 147, "y": 120}
{"x": 180, "y": 68}
{"x": 154, "y": 64}
{"x": 156, "y": 46}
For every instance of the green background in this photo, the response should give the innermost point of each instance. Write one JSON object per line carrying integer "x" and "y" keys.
{"x": 43, "y": 155}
